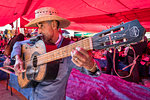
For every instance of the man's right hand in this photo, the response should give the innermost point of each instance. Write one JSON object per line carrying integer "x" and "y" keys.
{"x": 18, "y": 65}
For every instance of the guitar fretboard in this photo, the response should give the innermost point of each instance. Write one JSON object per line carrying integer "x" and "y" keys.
{"x": 64, "y": 51}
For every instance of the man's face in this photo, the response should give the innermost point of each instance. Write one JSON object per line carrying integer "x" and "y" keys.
{"x": 46, "y": 30}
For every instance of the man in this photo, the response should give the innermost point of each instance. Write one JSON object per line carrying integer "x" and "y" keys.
{"x": 137, "y": 50}
{"x": 49, "y": 22}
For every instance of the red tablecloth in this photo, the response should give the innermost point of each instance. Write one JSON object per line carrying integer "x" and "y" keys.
{"x": 107, "y": 87}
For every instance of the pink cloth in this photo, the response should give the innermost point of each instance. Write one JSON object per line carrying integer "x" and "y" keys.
{"x": 84, "y": 87}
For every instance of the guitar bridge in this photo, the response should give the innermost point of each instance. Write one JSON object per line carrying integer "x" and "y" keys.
{"x": 31, "y": 72}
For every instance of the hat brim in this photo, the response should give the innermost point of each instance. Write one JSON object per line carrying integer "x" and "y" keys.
{"x": 63, "y": 23}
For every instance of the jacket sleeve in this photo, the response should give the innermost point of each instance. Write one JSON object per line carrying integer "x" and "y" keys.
{"x": 85, "y": 71}
{"x": 17, "y": 48}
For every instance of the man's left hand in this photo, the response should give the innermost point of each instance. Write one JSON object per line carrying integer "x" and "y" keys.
{"x": 82, "y": 58}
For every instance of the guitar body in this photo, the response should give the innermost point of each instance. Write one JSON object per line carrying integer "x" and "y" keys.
{"x": 34, "y": 71}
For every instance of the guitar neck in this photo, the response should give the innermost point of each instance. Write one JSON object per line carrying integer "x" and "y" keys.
{"x": 64, "y": 51}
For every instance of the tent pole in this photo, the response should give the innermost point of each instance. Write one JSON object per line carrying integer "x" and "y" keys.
{"x": 16, "y": 27}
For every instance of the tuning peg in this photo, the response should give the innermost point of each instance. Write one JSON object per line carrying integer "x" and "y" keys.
{"x": 121, "y": 28}
{"x": 110, "y": 50}
{"x": 114, "y": 42}
{"x": 128, "y": 45}
{"x": 119, "y": 49}
{"x": 111, "y": 31}
{"x": 107, "y": 49}
{"x": 142, "y": 39}
{"x": 124, "y": 40}
{"x": 103, "y": 35}
{"x": 104, "y": 43}
{"x": 122, "y": 23}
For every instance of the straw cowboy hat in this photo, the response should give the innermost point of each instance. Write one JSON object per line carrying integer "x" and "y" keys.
{"x": 46, "y": 14}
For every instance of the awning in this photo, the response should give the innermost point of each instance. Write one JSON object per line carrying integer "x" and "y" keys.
{"x": 85, "y": 15}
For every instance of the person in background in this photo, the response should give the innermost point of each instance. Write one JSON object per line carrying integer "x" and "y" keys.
{"x": 28, "y": 36}
{"x": 48, "y": 23}
{"x": 8, "y": 48}
{"x": 1, "y": 43}
{"x": 110, "y": 62}
{"x": 5, "y": 34}
{"x": 11, "y": 42}
{"x": 145, "y": 62}
{"x": 139, "y": 49}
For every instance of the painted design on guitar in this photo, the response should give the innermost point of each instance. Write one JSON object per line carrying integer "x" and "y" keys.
{"x": 134, "y": 31}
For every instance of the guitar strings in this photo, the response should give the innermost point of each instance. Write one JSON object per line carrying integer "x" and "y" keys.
{"x": 40, "y": 57}
{"x": 50, "y": 55}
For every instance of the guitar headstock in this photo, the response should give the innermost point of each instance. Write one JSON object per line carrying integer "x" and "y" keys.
{"x": 124, "y": 34}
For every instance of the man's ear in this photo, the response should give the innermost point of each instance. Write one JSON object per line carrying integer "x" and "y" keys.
{"x": 54, "y": 24}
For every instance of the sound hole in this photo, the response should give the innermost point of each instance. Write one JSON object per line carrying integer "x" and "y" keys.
{"x": 35, "y": 61}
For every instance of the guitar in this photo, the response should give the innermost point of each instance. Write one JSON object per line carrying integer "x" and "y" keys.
{"x": 35, "y": 57}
